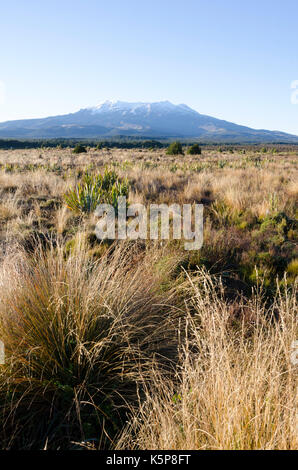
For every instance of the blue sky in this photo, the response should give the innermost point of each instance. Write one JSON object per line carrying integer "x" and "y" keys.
{"x": 231, "y": 59}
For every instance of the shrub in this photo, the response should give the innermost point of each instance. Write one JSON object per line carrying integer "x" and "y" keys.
{"x": 195, "y": 149}
{"x": 94, "y": 190}
{"x": 292, "y": 270}
{"x": 79, "y": 148}
{"x": 175, "y": 148}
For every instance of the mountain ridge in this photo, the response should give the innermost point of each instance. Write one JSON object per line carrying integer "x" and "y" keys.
{"x": 161, "y": 119}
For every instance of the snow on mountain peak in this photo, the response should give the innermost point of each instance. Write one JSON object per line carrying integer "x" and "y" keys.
{"x": 123, "y": 106}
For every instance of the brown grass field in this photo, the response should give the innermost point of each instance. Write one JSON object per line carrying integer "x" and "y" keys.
{"x": 141, "y": 344}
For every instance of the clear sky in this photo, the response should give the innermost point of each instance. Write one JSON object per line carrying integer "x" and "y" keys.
{"x": 231, "y": 59}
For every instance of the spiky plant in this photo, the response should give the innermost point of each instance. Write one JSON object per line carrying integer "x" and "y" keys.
{"x": 95, "y": 189}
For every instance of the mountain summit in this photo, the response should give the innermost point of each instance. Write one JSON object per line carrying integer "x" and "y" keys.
{"x": 162, "y": 119}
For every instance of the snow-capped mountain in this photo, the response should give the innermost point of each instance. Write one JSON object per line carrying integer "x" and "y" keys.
{"x": 124, "y": 107}
{"x": 149, "y": 120}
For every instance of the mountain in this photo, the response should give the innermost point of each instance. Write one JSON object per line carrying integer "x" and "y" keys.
{"x": 149, "y": 120}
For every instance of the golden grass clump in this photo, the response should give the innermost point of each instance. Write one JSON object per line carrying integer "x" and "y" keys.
{"x": 76, "y": 334}
{"x": 236, "y": 387}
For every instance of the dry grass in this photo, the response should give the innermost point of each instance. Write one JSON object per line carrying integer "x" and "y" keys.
{"x": 98, "y": 334}
{"x": 236, "y": 388}
{"x": 9, "y": 209}
{"x": 76, "y": 334}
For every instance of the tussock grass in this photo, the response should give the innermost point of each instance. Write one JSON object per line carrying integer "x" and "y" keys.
{"x": 9, "y": 209}
{"x": 77, "y": 334}
{"x": 236, "y": 387}
{"x": 101, "y": 334}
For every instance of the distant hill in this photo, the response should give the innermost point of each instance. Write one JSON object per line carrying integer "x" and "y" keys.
{"x": 149, "y": 120}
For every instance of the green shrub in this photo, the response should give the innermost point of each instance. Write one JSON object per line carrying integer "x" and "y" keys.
{"x": 292, "y": 271}
{"x": 79, "y": 148}
{"x": 94, "y": 190}
{"x": 175, "y": 148}
{"x": 195, "y": 149}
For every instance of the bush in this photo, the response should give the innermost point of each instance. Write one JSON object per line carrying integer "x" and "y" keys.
{"x": 79, "y": 148}
{"x": 175, "y": 148}
{"x": 195, "y": 149}
{"x": 94, "y": 190}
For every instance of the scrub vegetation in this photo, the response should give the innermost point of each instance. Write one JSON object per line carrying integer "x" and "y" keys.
{"x": 141, "y": 344}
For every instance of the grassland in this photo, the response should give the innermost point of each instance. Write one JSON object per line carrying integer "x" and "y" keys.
{"x": 140, "y": 344}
